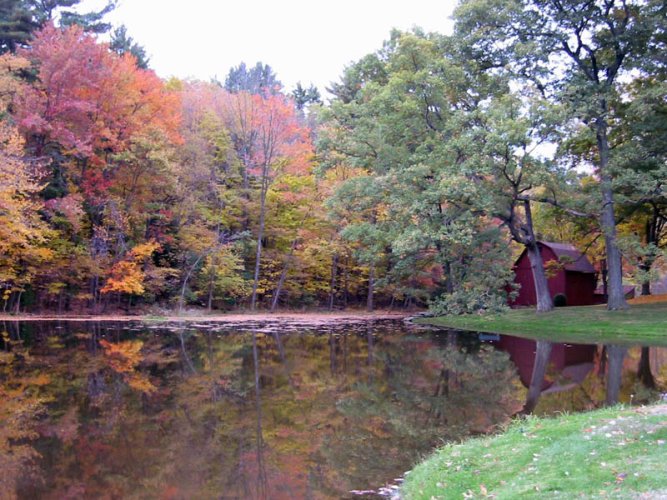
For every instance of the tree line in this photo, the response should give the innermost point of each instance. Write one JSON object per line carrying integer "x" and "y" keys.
{"x": 534, "y": 119}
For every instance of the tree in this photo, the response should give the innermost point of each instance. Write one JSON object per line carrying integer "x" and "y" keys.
{"x": 221, "y": 277}
{"x": 269, "y": 139}
{"x": 400, "y": 115}
{"x": 121, "y": 43}
{"x": 576, "y": 53}
{"x": 93, "y": 22}
{"x": 16, "y": 25}
{"x": 88, "y": 100}
{"x": 641, "y": 145}
{"x": 500, "y": 175}
{"x": 105, "y": 128}
{"x": 305, "y": 96}
{"x": 260, "y": 79}
{"x": 20, "y": 19}
{"x": 127, "y": 275}
{"x": 23, "y": 234}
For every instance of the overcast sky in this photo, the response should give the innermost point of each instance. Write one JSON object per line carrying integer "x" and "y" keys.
{"x": 302, "y": 40}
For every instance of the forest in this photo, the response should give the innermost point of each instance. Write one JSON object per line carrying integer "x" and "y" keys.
{"x": 433, "y": 162}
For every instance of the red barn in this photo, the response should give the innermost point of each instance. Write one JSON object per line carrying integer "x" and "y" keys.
{"x": 563, "y": 360}
{"x": 570, "y": 274}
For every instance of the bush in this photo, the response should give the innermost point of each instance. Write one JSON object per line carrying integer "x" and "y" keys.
{"x": 468, "y": 302}
{"x": 560, "y": 300}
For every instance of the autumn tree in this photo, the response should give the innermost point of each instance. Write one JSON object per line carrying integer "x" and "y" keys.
{"x": 269, "y": 140}
{"x": 105, "y": 127}
{"x": 127, "y": 275}
{"x": 23, "y": 235}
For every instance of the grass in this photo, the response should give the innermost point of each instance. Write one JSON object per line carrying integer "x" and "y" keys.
{"x": 610, "y": 453}
{"x": 643, "y": 324}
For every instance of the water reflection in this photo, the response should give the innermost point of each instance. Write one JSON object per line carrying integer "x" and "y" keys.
{"x": 249, "y": 411}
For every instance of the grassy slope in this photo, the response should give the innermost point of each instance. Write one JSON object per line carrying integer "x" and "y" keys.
{"x": 641, "y": 324}
{"x": 610, "y": 453}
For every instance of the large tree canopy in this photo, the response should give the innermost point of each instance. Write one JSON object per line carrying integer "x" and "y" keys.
{"x": 577, "y": 53}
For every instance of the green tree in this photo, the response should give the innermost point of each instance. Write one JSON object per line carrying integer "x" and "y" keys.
{"x": 16, "y": 24}
{"x": 400, "y": 116}
{"x": 259, "y": 79}
{"x": 641, "y": 163}
{"x": 304, "y": 96}
{"x": 121, "y": 43}
{"x": 576, "y": 53}
{"x": 66, "y": 10}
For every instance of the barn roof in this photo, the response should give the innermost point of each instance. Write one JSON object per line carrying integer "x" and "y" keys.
{"x": 574, "y": 259}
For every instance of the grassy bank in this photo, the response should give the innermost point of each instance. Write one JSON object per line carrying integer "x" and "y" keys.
{"x": 641, "y": 324}
{"x": 609, "y": 453}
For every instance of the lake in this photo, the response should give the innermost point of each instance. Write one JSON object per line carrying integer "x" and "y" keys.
{"x": 262, "y": 410}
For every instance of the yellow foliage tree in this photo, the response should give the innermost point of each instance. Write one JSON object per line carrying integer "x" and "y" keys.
{"x": 23, "y": 234}
{"x": 127, "y": 276}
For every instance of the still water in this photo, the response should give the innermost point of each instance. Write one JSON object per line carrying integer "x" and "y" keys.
{"x": 252, "y": 410}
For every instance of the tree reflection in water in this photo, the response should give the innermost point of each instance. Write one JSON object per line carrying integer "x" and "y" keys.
{"x": 257, "y": 411}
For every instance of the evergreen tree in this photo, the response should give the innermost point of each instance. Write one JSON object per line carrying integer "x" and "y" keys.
{"x": 257, "y": 80}
{"x": 305, "y": 96}
{"x": 20, "y": 18}
{"x": 122, "y": 43}
{"x": 16, "y": 25}
{"x": 46, "y": 10}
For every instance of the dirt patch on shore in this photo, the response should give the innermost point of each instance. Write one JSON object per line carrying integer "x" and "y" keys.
{"x": 311, "y": 318}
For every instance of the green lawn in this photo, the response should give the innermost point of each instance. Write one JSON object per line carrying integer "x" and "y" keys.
{"x": 644, "y": 324}
{"x": 610, "y": 453}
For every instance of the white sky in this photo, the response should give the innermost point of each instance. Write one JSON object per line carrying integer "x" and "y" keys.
{"x": 302, "y": 40}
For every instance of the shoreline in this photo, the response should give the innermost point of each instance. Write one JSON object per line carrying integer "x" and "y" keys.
{"x": 305, "y": 317}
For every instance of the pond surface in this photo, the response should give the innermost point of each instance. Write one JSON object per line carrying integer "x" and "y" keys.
{"x": 273, "y": 410}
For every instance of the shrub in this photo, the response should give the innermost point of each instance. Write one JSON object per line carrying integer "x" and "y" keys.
{"x": 468, "y": 302}
{"x": 560, "y": 300}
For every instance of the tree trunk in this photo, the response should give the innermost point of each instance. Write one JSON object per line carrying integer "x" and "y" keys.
{"x": 644, "y": 369}
{"x": 449, "y": 279}
{"x": 655, "y": 225}
{"x": 279, "y": 288}
{"x": 283, "y": 275}
{"x": 615, "y": 354}
{"x": 524, "y": 234}
{"x": 346, "y": 280}
{"x": 181, "y": 300}
{"x": 646, "y": 287}
{"x": 94, "y": 291}
{"x": 371, "y": 286}
{"x": 332, "y": 283}
{"x": 615, "y": 297}
{"x": 542, "y": 353}
{"x": 260, "y": 235}
{"x": 261, "y": 485}
{"x": 209, "y": 302}
{"x": 18, "y": 302}
{"x": 543, "y": 295}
